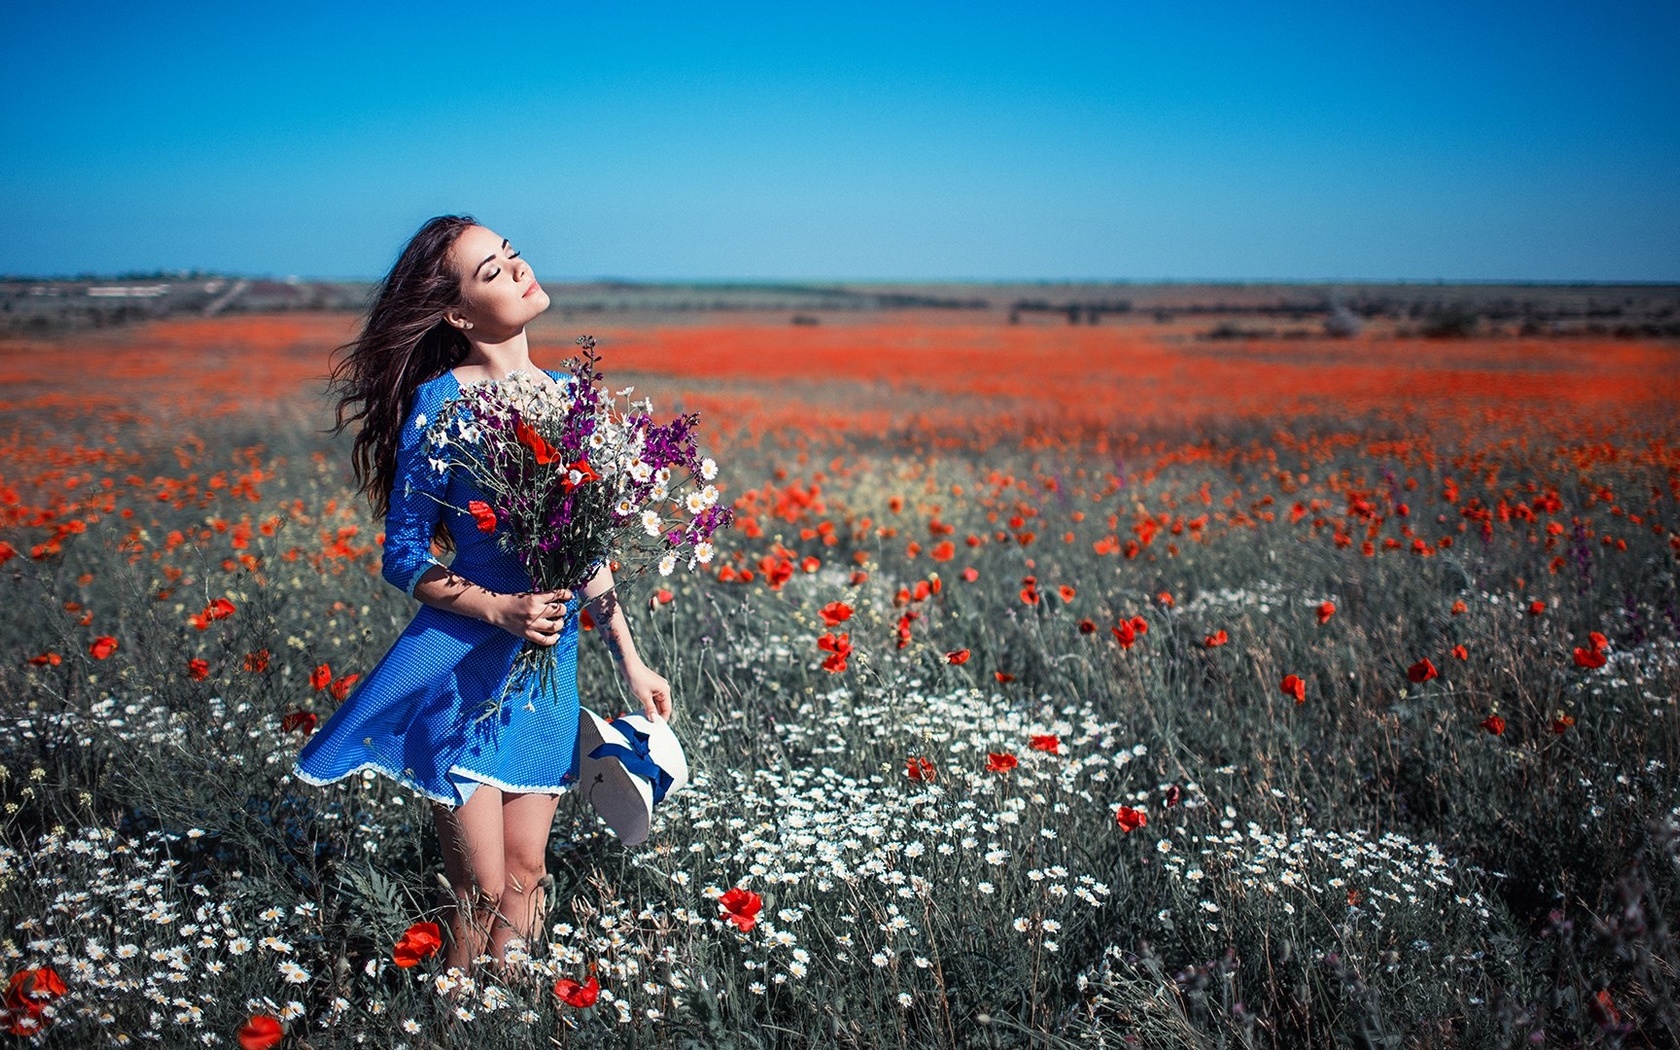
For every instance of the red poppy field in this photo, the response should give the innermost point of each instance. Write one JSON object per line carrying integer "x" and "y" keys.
{"x": 1100, "y": 681}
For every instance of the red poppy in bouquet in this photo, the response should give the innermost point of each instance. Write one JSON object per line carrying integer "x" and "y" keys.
{"x": 572, "y": 477}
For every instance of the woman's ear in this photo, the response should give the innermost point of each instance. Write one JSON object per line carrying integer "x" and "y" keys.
{"x": 453, "y": 316}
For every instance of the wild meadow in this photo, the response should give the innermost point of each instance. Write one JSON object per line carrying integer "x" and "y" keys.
{"x": 1058, "y": 686}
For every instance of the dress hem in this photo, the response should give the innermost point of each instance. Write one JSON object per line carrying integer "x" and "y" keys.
{"x": 450, "y": 801}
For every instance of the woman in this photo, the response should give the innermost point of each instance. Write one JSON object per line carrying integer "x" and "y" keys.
{"x": 451, "y": 312}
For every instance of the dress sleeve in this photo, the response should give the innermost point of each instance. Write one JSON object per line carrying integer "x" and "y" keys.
{"x": 416, "y": 500}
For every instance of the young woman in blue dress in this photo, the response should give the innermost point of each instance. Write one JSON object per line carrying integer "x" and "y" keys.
{"x": 453, "y": 312}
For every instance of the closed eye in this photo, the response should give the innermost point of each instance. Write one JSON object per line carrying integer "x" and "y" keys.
{"x": 498, "y": 270}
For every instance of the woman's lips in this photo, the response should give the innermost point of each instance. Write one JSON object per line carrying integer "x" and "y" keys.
{"x": 527, "y": 293}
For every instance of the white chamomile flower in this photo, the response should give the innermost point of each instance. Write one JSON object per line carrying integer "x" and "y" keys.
{"x": 597, "y": 440}
{"x": 663, "y": 475}
{"x": 695, "y": 503}
{"x": 708, "y": 468}
{"x": 625, "y": 508}
{"x": 703, "y": 552}
{"x": 709, "y": 494}
{"x": 667, "y": 564}
{"x": 650, "y": 522}
{"x": 641, "y": 471}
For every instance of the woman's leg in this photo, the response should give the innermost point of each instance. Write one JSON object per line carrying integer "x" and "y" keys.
{"x": 473, "y": 863}
{"x": 526, "y": 821}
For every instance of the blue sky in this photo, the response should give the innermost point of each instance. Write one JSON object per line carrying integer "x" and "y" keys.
{"x": 1464, "y": 140}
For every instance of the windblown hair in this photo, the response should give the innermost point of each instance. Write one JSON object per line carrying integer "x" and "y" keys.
{"x": 404, "y": 343}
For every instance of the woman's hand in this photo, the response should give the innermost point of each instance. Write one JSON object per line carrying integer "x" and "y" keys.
{"x": 537, "y": 616}
{"x": 650, "y": 688}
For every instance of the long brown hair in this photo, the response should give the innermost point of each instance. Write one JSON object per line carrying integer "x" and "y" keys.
{"x": 404, "y": 342}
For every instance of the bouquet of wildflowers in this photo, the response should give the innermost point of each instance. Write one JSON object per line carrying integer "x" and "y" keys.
{"x": 571, "y": 479}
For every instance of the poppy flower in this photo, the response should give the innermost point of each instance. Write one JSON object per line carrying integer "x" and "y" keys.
{"x": 1130, "y": 819}
{"x": 1000, "y": 762}
{"x": 1459, "y": 608}
{"x": 1125, "y": 634}
{"x": 1029, "y": 590}
{"x": 1087, "y": 627}
{"x": 839, "y": 647}
{"x": 902, "y": 631}
{"x": 256, "y": 661}
{"x": 304, "y": 720}
{"x": 198, "y": 669}
{"x": 945, "y": 551}
{"x": 1537, "y": 607}
{"x": 1173, "y": 794}
{"x": 1598, "y": 641}
{"x": 341, "y": 688}
{"x": 420, "y": 941}
{"x": 1066, "y": 592}
{"x": 920, "y": 770}
{"x": 48, "y": 659}
{"x": 527, "y": 435}
{"x": 578, "y": 473}
{"x": 1494, "y": 724}
{"x": 1003, "y": 677}
{"x": 260, "y": 1032}
{"x": 1325, "y": 611}
{"x": 1046, "y": 742}
{"x": 482, "y": 514}
{"x": 835, "y": 613}
{"x": 1421, "y": 672}
{"x": 28, "y": 994}
{"x": 810, "y": 564}
{"x": 102, "y": 647}
{"x": 321, "y": 677}
{"x": 663, "y": 597}
{"x": 741, "y": 907}
{"x": 970, "y": 574}
{"x": 1460, "y": 653}
{"x": 959, "y": 656}
{"x": 1590, "y": 658}
{"x": 1164, "y": 599}
{"x": 1561, "y": 723}
{"x": 1293, "y": 686}
{"x": 577, "y": 995}
{"x": 859, "y": 578}
{"x": 1216, "y": 639}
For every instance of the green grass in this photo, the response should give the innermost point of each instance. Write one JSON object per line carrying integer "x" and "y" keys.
{"x": 1370, "y": 867}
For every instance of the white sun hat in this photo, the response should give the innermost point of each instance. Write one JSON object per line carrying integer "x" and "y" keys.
{"x": 626, "y": 767}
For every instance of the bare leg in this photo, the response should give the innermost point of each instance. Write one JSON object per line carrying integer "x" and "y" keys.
{"x": 526, "y": 821}
{"x": 474, "y": 864}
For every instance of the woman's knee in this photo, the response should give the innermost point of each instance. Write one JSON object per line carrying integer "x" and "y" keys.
{"x": 525, "y": 875}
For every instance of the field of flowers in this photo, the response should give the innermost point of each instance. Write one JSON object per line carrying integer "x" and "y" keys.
{"x": 1058, "y": 686}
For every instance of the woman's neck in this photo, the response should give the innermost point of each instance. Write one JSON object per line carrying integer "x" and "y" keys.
{"x": 497, "y": 360}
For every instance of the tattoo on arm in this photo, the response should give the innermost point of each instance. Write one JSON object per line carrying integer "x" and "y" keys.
{"x": 606, "y": 606}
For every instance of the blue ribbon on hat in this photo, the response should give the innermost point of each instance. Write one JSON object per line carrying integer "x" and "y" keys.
{"x": 635, "y": 758}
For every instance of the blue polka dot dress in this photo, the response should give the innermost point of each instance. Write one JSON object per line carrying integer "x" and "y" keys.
{"x": 417, "y": 716}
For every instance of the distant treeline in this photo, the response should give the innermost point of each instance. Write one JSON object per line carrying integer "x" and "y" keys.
{"x": 29, "y": 305}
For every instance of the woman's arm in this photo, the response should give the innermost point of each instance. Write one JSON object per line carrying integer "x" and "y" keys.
{"x": 645, "y": 684}
{"x": 537, "y": 617}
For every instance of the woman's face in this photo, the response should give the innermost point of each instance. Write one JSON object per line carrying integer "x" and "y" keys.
{"x": 499, "y": 294}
